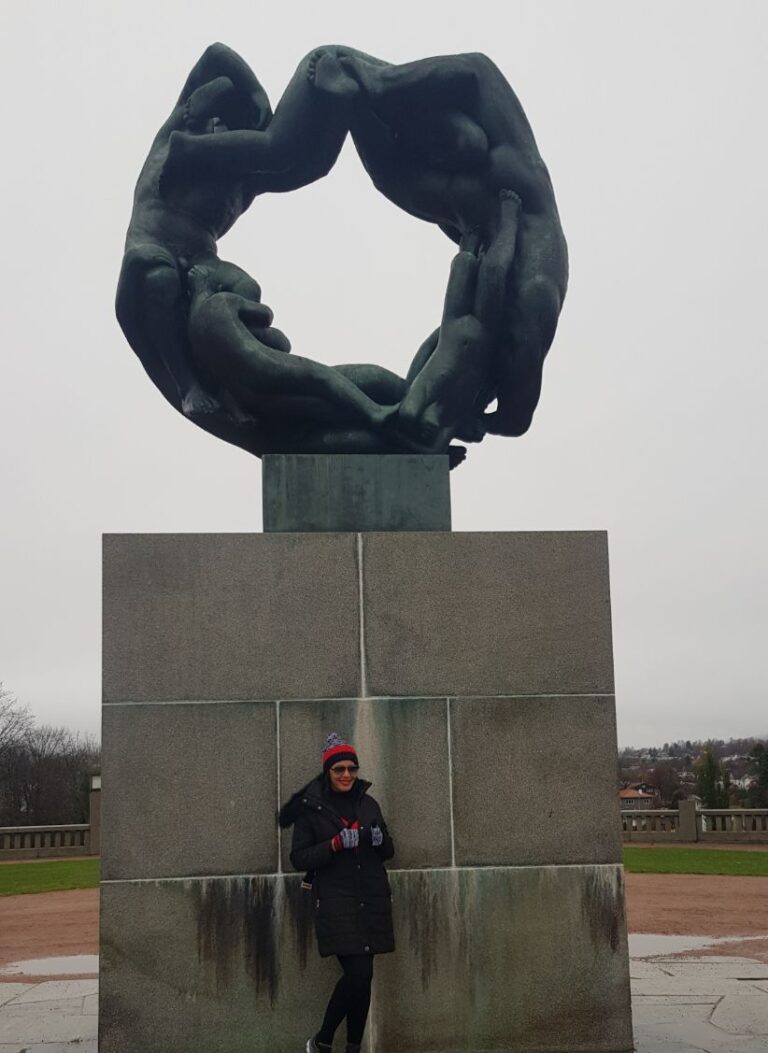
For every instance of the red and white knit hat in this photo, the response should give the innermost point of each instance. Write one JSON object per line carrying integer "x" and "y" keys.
{"x": 337, "y": 749}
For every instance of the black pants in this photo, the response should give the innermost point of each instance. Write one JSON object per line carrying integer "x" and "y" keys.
{"x": 351, "y": 998}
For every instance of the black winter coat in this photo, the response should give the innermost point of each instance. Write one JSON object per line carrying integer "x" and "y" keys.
{"x": 350, "y": 888}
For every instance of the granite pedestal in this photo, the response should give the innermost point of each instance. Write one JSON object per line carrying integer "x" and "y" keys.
{"x": 474, "y": 674}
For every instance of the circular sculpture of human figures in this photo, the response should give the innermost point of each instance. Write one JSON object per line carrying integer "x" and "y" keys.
{"x": 445, "y": 139}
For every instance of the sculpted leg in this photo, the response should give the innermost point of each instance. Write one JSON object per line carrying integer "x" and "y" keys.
{"x": 329, "y": 75}
{"x": 300, "y": 144}
{"x": 151, "y": 311}
{"x": 440, "y": 78}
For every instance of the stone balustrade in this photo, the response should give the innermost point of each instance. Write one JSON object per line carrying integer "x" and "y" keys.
{"x": 689, "y": 823}
{"x": 41, "y": 842}
{"x": 650, "y": 824}
{"x": 685, "y": 824}
{"x": 734, "y": 824}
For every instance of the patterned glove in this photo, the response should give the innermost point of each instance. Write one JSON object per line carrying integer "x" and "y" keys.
{"x": 347, "y": 838}
{"x": 377, "y": 836}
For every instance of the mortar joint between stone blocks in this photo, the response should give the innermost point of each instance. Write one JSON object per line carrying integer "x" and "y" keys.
{"x": 361, "y": 617}
{"x": 450, "y": 779}
{"x": 279, "y": 792}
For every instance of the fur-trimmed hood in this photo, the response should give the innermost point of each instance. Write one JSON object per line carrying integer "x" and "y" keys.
{"x": 316, "y": 789}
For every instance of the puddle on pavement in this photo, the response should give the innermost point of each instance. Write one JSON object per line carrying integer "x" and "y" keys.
{"x": 649, "y": 945}
{"x": 71, "y": 965}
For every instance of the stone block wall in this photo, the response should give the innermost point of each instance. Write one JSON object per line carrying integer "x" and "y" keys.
{"x": 473, "y": 672}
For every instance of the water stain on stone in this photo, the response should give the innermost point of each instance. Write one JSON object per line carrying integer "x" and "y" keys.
{"x": 237, "y": 920}
{"x": 261, "y": 913}
{"x": 426, "y": 924}
{"x": 602, "y": 906}
{"x": 218, "y": 928}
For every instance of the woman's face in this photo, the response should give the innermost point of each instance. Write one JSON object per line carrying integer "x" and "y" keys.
{"x": 343, "y": 775}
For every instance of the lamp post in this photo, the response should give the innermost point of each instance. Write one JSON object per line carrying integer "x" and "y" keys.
{"x": 94, "y": 813}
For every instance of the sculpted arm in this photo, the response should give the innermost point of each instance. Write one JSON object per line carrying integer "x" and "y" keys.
{"x": 444, "y": 393}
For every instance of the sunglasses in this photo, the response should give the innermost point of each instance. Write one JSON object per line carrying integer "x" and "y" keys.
{"x": 341, "y": 769}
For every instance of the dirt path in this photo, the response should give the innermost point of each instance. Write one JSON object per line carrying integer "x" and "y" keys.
{"x": 54, "y": 924}
{"x": 48, "y": 925}
{"x": 697, "y": 904}
{"x": 702, "y": 905}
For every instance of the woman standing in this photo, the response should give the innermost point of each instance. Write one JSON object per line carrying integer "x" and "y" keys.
{"x": 341, "y": 840}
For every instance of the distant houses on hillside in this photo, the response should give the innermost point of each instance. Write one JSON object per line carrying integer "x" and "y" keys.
{"x": 632, "y": 798}
{"x": 671, "y": 772}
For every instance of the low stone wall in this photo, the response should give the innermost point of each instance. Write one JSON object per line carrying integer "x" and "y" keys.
{"x": 688, "y": 824}
{"x": 41, "y": 842}
{"x": 733, "y": 824}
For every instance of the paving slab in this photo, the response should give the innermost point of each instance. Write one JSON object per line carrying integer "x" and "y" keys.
{"x": 662, "y": 1013}
{"x": 682, "y": 986}
{"x": 738, "y": 968}
{"x": 693, "y": 1005}
{"x": 666, "y": 1045}
{"x": 10, "y": 991}
{"x": 642, "y": 970}
{"x": 699, "y": 1006}
{"x": 684, "y": 999}
{"x": 49, "y": 990}
{"x": 53, "y": 1027}
{"x": 743, "y": 1012}
{"x": 697, "y": 1038}
{"x": 43, "y": 1010}
{"x": 78, "y": 1046}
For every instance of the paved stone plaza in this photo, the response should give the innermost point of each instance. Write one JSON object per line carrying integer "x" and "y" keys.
{"x": 679, "y": 1005}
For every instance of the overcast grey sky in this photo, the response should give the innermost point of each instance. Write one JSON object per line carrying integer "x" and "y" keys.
{"x": 652, "y": 422}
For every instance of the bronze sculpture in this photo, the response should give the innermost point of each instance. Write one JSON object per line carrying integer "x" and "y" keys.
{"x": 445, "y": 139}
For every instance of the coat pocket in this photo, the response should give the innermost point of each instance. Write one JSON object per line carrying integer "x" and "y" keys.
{"x": 336, "y": 916}
{"x": 379, "y": 916}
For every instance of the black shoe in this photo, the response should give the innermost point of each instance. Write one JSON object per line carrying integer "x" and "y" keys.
{"x": 313, "y": 1046}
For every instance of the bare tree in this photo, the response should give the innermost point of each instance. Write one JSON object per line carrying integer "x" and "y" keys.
{"x": 15, "y": 720}
{"x": 43, "y": 769}
{"x": 50, "y": 777}
{"x": 666, "y": 780}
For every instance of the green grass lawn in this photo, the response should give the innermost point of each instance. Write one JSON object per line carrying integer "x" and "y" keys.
{"x": 56, "y": 875}
{"x": 674, "y": 859}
